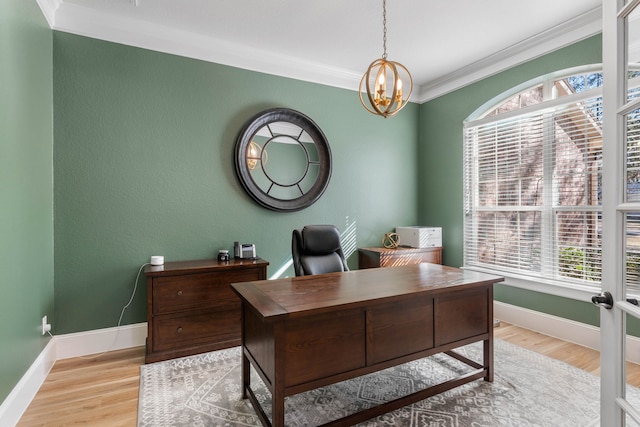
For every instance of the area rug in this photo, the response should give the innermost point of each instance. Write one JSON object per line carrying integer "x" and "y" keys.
{"x": 529, "y": 390}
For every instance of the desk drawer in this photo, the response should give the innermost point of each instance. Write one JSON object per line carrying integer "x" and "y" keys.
{"x": 191, "y": 330}
{"x": 177, "y": 293}
{"x": 398, "y": 330}
{"x": 319, "y": 346}
{"x": 461, "y": 315}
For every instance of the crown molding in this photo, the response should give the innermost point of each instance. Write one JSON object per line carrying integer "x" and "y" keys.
{"x": 84, "y": 21}
{"x": 565, "y": 34}
{"x": 49, "y": 8}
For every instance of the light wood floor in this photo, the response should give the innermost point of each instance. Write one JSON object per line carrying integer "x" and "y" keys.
{"x": 104, "y": 391}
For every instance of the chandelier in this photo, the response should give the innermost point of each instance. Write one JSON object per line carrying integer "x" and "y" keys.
{"x": 383, "y": 81}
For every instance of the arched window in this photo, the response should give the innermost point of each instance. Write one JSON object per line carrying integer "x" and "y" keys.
{"x": 532, "y": 177}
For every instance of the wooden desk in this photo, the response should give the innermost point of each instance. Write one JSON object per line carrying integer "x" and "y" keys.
{"x": 307, "y": 332}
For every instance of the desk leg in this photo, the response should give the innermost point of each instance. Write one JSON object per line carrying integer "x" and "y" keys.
{"x": 277, "y": 404}
{"x": 488, "y": 359}
{"x": 488, "y": 343}
{"x": 277, "y": 408}
{"x": 246, "y": 374}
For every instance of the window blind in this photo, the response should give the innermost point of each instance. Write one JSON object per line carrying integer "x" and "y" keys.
{"x": 532, "y": 190}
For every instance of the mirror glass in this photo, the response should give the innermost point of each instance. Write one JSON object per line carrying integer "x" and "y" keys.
{"x": 283, "y": 160}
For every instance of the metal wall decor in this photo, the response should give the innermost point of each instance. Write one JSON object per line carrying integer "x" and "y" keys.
{"x": 283, "y": 160}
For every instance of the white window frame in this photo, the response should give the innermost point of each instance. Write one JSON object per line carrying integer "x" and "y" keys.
{"x": 577, "y": 290}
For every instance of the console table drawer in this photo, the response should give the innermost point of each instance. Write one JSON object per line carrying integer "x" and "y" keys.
{"x": 177, "y": 293}
{"x": 384, "y": 257}
{"x": 174, "y": 332}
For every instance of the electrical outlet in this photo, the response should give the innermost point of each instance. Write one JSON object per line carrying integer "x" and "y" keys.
{"x": 46, "y": 326}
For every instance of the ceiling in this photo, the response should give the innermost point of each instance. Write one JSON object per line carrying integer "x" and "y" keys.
{"x": 445, "y": 44}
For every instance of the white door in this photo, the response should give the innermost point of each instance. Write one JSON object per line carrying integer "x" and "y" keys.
{"x": 620, "y": 206}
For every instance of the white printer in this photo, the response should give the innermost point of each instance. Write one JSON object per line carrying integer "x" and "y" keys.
{"x": 419, "y": 236}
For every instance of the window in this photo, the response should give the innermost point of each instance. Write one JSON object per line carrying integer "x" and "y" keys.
{"x": 532, "y": 176}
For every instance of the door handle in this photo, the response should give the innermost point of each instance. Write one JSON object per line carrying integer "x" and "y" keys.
{"x": 606, "y": 300}
{"x": 603, "y": 300}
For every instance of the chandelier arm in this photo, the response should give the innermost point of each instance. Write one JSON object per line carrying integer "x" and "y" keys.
{"x": 381, "y": 103}
{"x": 371, "y": 98}
{"x": 365, "y": 80}
{"x": 392, "y": 101}
{"x": 410, "y": 81}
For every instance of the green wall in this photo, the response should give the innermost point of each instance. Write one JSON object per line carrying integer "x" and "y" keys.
{"x": 26, "y": 187}
{"x": 144, "y": 166}
{"x": 440, "y": 156}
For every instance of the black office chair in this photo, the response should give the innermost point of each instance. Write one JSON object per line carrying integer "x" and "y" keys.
{"x": 316, "y": 250}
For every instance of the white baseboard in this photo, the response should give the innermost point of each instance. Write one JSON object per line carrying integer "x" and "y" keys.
{"x": 63, "y": 347}
{"x": 100, "y": 340}
{"x": 23, "y": 393}
{"x": 558, "y": 327}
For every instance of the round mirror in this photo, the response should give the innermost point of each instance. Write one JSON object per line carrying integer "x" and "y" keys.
{"x": 283, "y": 160}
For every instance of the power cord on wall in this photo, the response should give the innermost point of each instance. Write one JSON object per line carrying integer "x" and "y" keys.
{"x": 115, "y": 339}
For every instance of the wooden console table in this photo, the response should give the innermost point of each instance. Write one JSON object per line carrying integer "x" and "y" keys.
{"x": 307, "y": 332}
{"x": 191, "y": 307}
{"x": 385, "y": 257}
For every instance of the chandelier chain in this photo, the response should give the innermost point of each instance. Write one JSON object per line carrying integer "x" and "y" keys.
{"x": 384, "y": 29}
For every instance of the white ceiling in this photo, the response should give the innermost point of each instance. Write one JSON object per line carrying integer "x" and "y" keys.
{"x": 444, "y": 43}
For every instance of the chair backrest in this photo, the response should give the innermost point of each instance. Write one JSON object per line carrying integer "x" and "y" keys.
{"x": 316, "y": 250}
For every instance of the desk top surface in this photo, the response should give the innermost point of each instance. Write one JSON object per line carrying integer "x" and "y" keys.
{"x": 324, "y": 292}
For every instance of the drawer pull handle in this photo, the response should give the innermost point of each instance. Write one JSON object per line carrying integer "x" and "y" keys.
{"x": 179, "y": 293}
{"x": 179, "y": 330}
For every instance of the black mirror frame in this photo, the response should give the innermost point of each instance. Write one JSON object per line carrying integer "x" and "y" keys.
{"x": 297, "y": 118}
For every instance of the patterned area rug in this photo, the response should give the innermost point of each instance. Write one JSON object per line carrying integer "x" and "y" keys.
{"x": 529, "y": 390}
